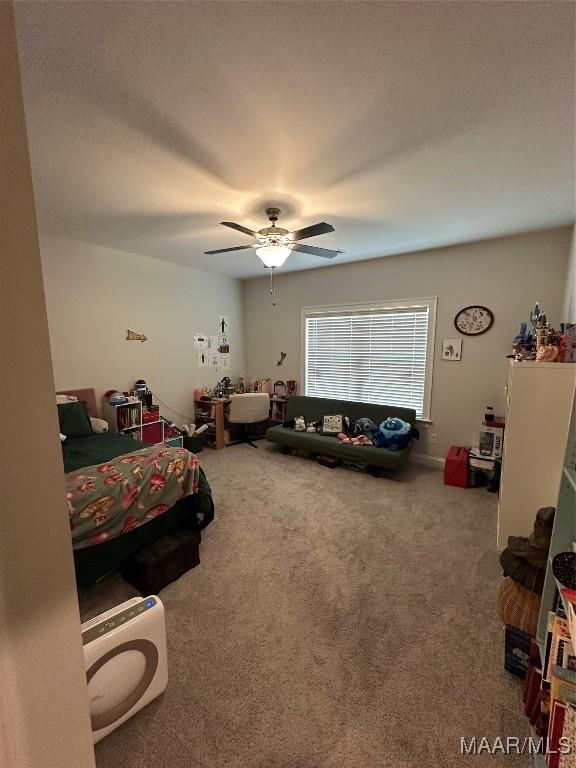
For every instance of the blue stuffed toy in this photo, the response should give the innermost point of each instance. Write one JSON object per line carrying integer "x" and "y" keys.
{"x": 394, "y": 434}
{"x": 367, "y": 427}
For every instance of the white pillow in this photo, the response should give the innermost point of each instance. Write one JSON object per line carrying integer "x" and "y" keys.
{"x": 98, "y": 425}
{"x": 60, "y": 399}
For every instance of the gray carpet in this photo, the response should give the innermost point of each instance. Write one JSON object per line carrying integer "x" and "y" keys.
{"x": 336, "y": 621}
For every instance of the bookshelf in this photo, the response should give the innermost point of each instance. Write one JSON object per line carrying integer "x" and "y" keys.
{"x": 139, "y": 423}
{"x": 563, "y": 540}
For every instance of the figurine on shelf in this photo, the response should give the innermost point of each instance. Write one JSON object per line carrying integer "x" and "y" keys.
{"x": 240, "y": 386}
{"x": 292, "y": 387}
{"x": 542, "y": 343}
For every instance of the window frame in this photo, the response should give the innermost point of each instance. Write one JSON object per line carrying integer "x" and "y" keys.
{"x": 430, "y": 302}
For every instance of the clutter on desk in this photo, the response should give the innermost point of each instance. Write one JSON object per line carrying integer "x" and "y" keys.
{"x": 542, "y": 343}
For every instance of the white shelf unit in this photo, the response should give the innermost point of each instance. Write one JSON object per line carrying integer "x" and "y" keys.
{"x": 563, "y": 537}
{"x": 127, "y": 419}
{"x": 538, "y": 407}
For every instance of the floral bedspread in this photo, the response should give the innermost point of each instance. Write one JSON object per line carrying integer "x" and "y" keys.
{"x": 106, "y": 500}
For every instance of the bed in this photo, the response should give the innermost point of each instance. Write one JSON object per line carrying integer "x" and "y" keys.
{"x": 123, "y": 494}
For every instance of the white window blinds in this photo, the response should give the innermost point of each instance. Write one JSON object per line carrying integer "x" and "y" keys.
{"x": 377, "y": 355}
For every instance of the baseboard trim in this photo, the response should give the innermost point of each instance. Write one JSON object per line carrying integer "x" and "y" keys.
{"x": 428, "y": 461}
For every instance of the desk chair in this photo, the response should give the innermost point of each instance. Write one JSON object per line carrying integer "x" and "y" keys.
{"x": 247, "y": 409}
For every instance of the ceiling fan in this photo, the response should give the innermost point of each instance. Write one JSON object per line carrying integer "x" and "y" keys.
{"x": 276, "y": 243}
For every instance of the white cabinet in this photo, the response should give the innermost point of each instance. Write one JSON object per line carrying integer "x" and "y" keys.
{"x": 539, "y": 406}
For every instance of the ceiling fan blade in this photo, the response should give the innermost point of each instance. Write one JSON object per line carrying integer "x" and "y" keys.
{"x": 227, "y": 250}
{"x": 316, "y": 229}
{"x": 325, "y": 253}
{"x": 240, "y": 228}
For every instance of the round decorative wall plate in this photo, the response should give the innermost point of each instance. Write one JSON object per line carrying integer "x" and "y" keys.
{"x": 474, "y": 320}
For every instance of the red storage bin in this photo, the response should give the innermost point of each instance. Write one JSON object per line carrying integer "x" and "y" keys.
{"x": 152, "y": 433}
{"x": 456, "y": 467}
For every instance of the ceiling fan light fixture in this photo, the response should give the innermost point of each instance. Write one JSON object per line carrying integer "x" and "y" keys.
{"x": 273, "y": 255}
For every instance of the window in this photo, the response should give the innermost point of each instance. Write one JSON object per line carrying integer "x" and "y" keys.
{"x": 377, "y": 353}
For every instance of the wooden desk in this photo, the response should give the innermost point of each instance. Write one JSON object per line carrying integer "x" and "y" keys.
{"x": 217, "y": 408}
{"x": 217, "y": 414}
{"x": 278, "y": 408}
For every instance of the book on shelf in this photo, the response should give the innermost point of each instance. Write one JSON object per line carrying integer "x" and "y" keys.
{"x": 561, "y": 653}
{"x": 560, "y": 666}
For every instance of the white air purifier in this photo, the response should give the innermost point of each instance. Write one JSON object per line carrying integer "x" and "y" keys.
{"x": 126, "y": 664}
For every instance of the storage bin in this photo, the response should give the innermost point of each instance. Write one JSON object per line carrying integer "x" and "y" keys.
{"x": 162, "y": 562}
{"x": 517, "y": 651}
{"x": 193, "y": 444}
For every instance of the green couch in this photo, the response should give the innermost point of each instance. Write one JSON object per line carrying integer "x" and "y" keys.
{"x": 314, "y": 408}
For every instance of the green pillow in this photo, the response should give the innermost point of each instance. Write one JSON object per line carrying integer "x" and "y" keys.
{"x": 74, "y": 419}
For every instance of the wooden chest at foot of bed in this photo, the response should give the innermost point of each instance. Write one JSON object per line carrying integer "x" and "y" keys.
{"x": 152, "y": 568}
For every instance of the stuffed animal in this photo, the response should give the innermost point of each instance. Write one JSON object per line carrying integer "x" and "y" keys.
{"x": 366, "y": 427}
{"x": 300, "y": 424}
{"x": 348, "y": 426}
{"x": 394, "y": 434}
{"x": 358, "y": 440}
{"x": 314, "y": 426}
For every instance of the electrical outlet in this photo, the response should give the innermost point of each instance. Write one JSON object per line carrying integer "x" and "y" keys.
{"x": 433, "y": 438}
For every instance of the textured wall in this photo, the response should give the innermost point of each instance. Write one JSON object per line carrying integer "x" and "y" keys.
{"x": 44, "y": 719}
{"x": 94, "y": 294}
{"x": 507, "y": 274}
{"x": 569, "y": 314}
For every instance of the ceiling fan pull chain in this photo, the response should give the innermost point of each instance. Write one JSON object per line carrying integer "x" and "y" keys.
{"x": 272, "y": 287}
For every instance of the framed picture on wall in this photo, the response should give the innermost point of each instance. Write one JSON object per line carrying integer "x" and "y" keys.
{"x": 451, "y": 349}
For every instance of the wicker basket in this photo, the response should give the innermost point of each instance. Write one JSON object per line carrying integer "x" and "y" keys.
{"x": 518, "y": 606}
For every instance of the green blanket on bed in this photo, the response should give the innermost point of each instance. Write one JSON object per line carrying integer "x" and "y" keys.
{"x": 114, "y": 497}
{"x": 95, "y": 449}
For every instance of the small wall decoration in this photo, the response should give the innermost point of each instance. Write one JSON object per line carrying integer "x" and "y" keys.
{"x": 133, "y": 336}
{"x": 202, "y": 357}
{"x": 474, "y": 320}
{"x": 282, "y": 358}
{"x": 223, "y": 325}
{"x": 451, "y": 349}
{"x": 200, "y": 340}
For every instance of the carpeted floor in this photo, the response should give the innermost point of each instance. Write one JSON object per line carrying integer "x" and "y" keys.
{"x": 336, "y": 621}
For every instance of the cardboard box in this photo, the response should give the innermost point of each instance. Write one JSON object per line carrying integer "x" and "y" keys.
{"x": 491, "y": 441}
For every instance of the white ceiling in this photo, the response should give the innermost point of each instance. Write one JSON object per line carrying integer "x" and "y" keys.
{"x": 406, "y": 125}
